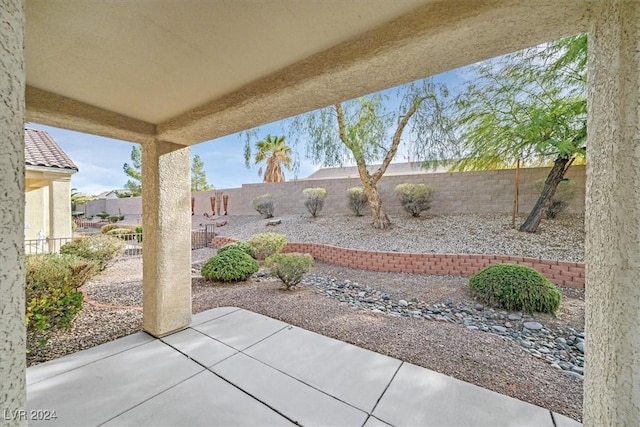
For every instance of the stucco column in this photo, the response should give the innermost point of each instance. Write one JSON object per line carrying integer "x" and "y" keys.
{"x": 59, "y": 209}
{"x": 12, "y": 329}
{"x": 612, "y": 379}
{"x": 166, "y": 224}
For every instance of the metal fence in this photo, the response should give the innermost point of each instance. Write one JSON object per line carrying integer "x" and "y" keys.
{"x": 134, "y": 243}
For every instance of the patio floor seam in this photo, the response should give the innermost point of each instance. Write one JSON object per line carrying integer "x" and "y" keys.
{"x": 385, "y": 390}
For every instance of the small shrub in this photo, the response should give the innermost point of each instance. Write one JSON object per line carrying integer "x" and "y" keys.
{"x": 231, "y": 265}
{"x": 415, "y": 198}
{"x": 264, "y": 205}
{"x": 116, "y": 218}
{"x": 264, "y": 245}
{"x": 289, "y": 268}
{"x": 100, "y": 248}
{"x": 123, "y": 233}
{"x": 51, "y": 293}
{"x": 107, "y": 228}
{"x": 515, "y": 287}
{"x": 103, "y": 215}
{"x": 242, "y": 246}
{"x": 565, "y": 193}
{"x": 74, "y": 226}
{"x": 314, "y": 199}
{"x": 138, "y": 231}
{"x": 357, "y": 200}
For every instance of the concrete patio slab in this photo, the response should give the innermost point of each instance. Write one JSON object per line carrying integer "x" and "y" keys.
{"x": 212, "y": 314}
{"x": 374, "y": 422}
{"x": 203, "y": 400}
{"x": 57, "y": 366}
{"x": 199, "y": 347}
{"x": 332, "y": 366}
{"x": 420, "y": 397}
{"x": 285, "y": 375}
{"x": 562, "y": 421}
{"x": 96, "y": 392}
{"x": 240, "y": 329}
{"x": 294, "y": 399}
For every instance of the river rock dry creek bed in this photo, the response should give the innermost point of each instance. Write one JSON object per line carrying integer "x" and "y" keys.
{"x": 430, "y": 321}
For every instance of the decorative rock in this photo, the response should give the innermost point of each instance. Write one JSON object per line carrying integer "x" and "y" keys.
{"x": 580, "y": 346}
{"x": 534, "y": 326}
{"x": 499, "y": 328}
{"x": 508, "y": 325}
{"x": 514, "y": 316}
{"x": 479, "y": 307}
{"x": 273, "y": 222}
{"x": 403, "y": 303}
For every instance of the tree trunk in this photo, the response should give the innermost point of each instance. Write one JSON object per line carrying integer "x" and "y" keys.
{"x": 379, "y": 218}
{"x": 530, "y": 225}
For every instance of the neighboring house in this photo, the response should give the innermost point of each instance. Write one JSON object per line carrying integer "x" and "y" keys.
{"x": 112, "y": 194}
{"x": 48, "y": 172}
{"x": 400, "y": 168}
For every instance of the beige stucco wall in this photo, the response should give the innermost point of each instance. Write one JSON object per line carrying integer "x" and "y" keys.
{"x": 36, "y": 215}
{"x": 12, "y": 328}
{"x": 612, "y": 247}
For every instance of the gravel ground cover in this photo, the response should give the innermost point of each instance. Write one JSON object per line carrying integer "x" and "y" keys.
{"x": 430, "y": 321}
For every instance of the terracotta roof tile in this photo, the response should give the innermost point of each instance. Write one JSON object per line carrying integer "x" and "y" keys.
{"x": 41, "y": 150}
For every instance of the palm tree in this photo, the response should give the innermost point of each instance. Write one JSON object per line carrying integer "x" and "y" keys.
{"x": 277, "y": 154}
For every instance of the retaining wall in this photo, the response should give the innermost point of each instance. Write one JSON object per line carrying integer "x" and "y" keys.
{"x": 561, "y": 273}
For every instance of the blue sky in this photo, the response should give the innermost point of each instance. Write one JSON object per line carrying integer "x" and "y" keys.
{"x": 100, "y": 160}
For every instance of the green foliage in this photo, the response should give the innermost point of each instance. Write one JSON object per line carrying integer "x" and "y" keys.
{"x": 231, "y": 265}
{"x": 356, "y": 200}
{"x": 564, "y": 194}
{"x": 289, "y": 268}
{"x": 106, "y": 228}
{"x": 51, "y": 293}
{"x": 198, "y": 175}
{"x": 264, "y": 205}
{"x": 103, "y": 215}
{"x": 123, "y": 233}
{"x": 100, "y": 248}
{"x": 515, "y": 287}
{"x": 242, "y": 246}
{"x": 264, "y": 245}
{"x": 314, "y": 199}
{"x": 134, "y": 171}
{"x": 275, "y": 152}
{"x": 116, "y": 218}
{"x": 415, "y": 198}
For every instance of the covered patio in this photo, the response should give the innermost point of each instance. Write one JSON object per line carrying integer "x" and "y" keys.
{"x": 169, "y": 74}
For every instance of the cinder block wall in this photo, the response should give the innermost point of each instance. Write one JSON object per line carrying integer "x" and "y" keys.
{"x": 457, "y": 193}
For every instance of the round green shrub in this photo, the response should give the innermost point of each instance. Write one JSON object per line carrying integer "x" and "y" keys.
{"x": 100, "y": 248}
{"x": 264, "y": 245}
{"x": 243, "y": 246}
{"x": 415, "y": 198}
{"x": 51, "y": 293}
{"x": 232, "y": 265}
{"x": 107, "y": 228}
{"x": 357, "y": 200}
{"x": 289, "y": 268}
{"x": 515, "y": 287}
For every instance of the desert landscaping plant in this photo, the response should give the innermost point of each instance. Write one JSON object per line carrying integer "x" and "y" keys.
{"x": 51, "y": 293}
{"x": 357, "y": 200}
{"x": 232, "y": 265}
{"x": 264, "y": 205}
{"x": 264, "y": 245}
{"x": 415, "y": 198}
{"x": 314, "y": 200}
{"x": 101, "y": 248}
{"x": 564, "y": 194}
{"x": 289, "y": 268}
{"x": 123, "y": 233}
{"x": 515, "y": 287}
{"x": 242, "y": 246}
{"x": 106, "y": 228}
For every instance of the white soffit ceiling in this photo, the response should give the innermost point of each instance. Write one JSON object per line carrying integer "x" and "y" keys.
{"x": 153, "y": 60}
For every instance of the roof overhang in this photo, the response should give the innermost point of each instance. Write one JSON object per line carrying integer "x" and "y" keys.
{"x": 190, "y": 71}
